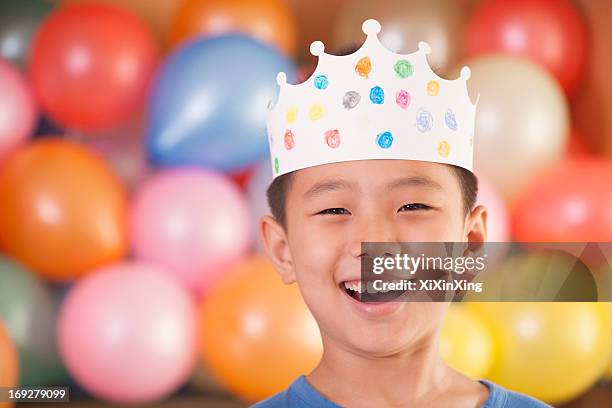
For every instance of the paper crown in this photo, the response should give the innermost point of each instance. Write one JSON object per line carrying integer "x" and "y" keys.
{"x": 371, "y": 104}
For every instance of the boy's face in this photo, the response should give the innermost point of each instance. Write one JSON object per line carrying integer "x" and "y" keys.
{"x": 331, "y": 209}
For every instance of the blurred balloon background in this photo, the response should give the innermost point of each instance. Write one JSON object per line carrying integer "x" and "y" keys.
{"x": 134, "y": 168}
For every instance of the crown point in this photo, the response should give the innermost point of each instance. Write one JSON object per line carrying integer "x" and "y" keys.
{"x": 371, "y": 27}
{"x": 424, "y": 47}
{"x": 466, "y": 73}
{"x": 317, "y": 48}
{"x": 281, "y": 78}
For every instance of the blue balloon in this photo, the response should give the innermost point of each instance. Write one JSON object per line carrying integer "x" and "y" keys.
{"x": 209, "y": 103}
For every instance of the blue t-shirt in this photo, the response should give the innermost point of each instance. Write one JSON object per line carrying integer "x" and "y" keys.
{"x": 301, "y": 394}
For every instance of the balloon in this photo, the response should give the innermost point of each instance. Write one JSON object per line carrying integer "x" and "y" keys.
{"x": 568, "y": 203}
{"x": 209, "y": 103}
{"x": 29, "y": 312}
{"x": 9, "y": 365}
{"x": 255, "y": 342}
{"x": 269, "y": 21}
{"x": 257, "y": 195}
{"x": 545, "y": 31}
{"x": 498, "y": 218}
{"x": 19, "y": 20}
{"x": 17, "y": 109}
{"x": 592, "y": 103}
{"x": 127, "y": 333}
{"x": 156, "y": 14}
{"x": 62, "y": 211}
{"x": 91, "y": 64}
{"x": 551, "y": 351}
{"x": 122, "y": 149}
{"x": 197, "y": 234}
{"x": 576, "y": 145}
{"x": 313, "y": 24}
{"x": 522, "y": 117}
{"x": 440, "y": 23}
{"x": 465, "y": 342}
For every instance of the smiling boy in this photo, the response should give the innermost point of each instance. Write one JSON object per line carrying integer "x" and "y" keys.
{"x": 367, "y": 161}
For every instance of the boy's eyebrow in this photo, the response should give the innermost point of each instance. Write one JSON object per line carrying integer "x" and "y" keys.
{"x": 330, "y": 185}
{"x": 339, "y": 184}
{"x": 413, "y": 181}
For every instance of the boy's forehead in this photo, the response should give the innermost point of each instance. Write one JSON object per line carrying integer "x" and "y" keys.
{"x": 375, "y": 173}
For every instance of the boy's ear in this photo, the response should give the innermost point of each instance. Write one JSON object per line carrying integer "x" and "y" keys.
{"x": 274, "y": 241}
{"x": 476, "y": 226}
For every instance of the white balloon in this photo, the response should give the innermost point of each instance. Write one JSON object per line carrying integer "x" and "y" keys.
{"x": 521, "y": 120}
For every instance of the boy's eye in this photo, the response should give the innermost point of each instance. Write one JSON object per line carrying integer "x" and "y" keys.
{"x": 414, "y": 207}
{"x": 335, "y": 211}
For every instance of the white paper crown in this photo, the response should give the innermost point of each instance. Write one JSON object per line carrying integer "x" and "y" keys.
{"x": 371, "y": 104}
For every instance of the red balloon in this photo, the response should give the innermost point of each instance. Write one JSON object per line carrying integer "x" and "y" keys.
{"x": 576, "y": 145}
{"x": 550, "y": 32}
{"x": 90, "y": 65}
{"x": 572, "y": 201}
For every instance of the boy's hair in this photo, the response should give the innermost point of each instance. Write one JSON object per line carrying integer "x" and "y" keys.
{"x": 277, "y": 192}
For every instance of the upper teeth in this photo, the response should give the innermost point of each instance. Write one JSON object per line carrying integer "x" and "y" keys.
{"x": 356, "y": 286}
{"x": 362, "y": 287}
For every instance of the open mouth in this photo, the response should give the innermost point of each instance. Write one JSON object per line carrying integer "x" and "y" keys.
{"x": 365, "y": 292}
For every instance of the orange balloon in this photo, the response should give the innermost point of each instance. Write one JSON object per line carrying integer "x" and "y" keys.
{"x": 62, "y": 211}
{"x": 269, "y": 21}
{"x": 256, "y": 333}
{"x": 9, "y": 369}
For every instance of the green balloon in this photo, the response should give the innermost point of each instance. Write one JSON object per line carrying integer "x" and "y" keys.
{"x": 19, "y": 20}
{"x": 29, "y": 311}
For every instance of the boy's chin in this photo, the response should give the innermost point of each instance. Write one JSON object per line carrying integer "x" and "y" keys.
{"x": 377, "y": 342}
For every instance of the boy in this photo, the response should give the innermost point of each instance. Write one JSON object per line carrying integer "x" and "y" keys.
{"x": 374, "y": 147}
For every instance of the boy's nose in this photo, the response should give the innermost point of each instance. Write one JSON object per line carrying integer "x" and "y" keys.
{"x": 374, "y": 229}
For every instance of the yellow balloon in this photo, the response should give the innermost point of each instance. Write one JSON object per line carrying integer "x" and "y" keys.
{"x": 552, "y": 351}
{"x": 465, "y": 342}
{"x": 608, "y": 373}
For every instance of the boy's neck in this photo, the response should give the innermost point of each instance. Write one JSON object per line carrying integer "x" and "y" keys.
{"x": 413, "y": 377}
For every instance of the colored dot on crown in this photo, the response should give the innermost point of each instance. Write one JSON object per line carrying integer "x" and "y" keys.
{"x": 289, "y": 139}
{"x": 351, "y": 99}
{"x": 384, "y": 140}
{"x": 450, "y": 120}
{"x": 316, "y": 112}
{"x": 402, "y": 98}
{"x": 291, "y": 114}
{"x": 377, "y": 95}
{"x": 332, "y": 138}
{"x": 443, "y": 148}
{"x": 321, "y": 82}
{"x": 424, "y": 120}
{"x": 433, "y": 87}
{"x": 363, "y": 67}
{"x": 403, "y": 68}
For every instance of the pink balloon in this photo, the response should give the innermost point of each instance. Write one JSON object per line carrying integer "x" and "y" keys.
{"x": 127, "y": 333}
{"x": 17, "y": 109}
{"x": 194, "y": 222}
{"x": 498, "y": 218}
